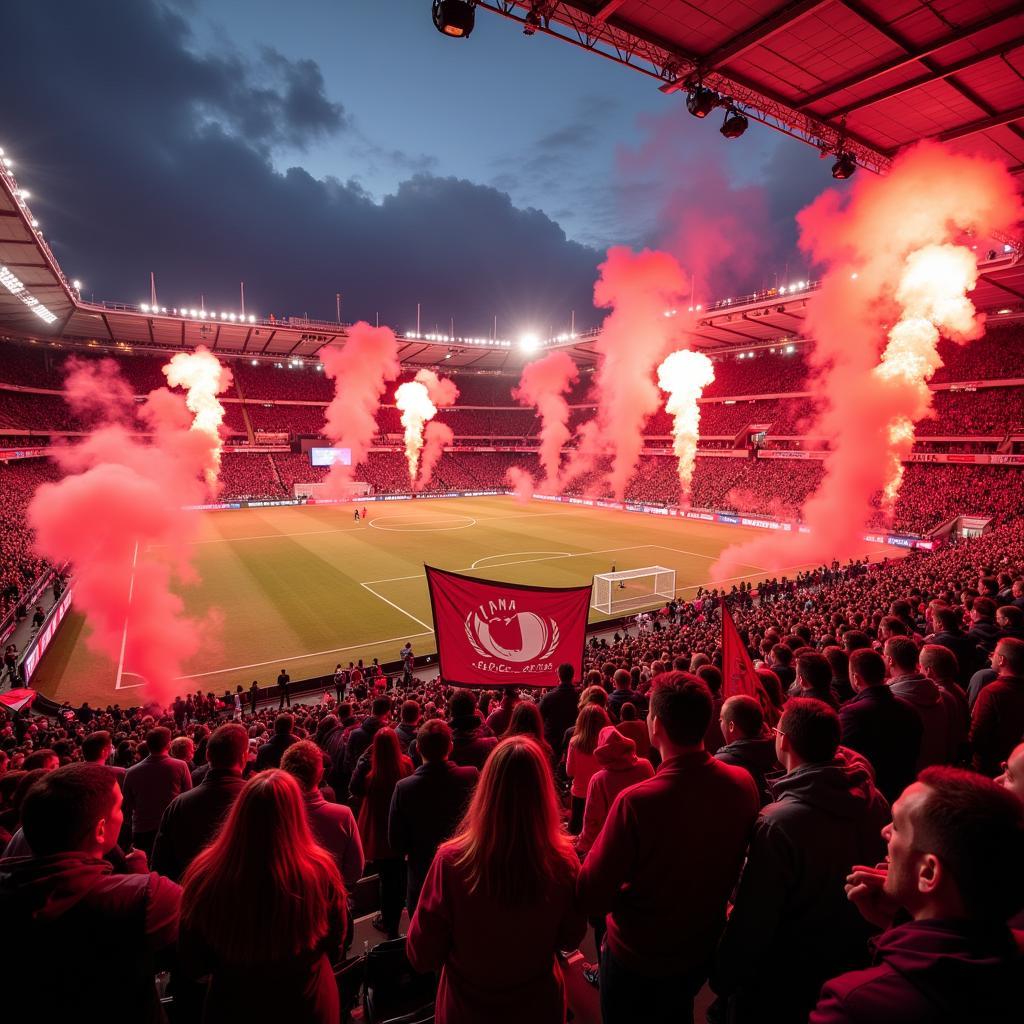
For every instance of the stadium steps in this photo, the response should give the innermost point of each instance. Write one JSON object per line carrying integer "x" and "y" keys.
{"x": 245, "y": 413}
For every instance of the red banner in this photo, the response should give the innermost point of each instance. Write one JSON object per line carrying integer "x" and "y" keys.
{"x": 738, "y": 672}
{"x": 501, "y": 634}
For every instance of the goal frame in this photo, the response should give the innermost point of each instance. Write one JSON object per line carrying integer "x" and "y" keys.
{"x": 606, "y": 587}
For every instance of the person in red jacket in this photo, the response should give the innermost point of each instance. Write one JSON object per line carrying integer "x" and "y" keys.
{"x": 666, "y": 861}
{"x": 500, "y": 899}
{"x": 955, "y": 848}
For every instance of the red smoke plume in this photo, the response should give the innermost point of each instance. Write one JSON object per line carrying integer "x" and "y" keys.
{"x": 521, "y": 482}
{"x": 360, "y": 370}
{"x": 435, "y": 438}
{"x": 117, "y": 516}
{"x": 893, "y": 264}
{"x": 544, "y": 384}
{"x": 641, "y": 289}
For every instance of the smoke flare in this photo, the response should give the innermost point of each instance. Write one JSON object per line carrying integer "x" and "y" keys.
{"x": 418, "y": 401}
{"x": 521, "y": 482}
{"x": 543, "y": 384}
{"x": 204, "y": 378}
{"x": 645, "y": 293}
{"x": 684, "y": 375}
{"x": 360, "y": 369}
{"x": 117, "y": 516}
{"x": 893, "y": 258}
{"x": 436, "y": 437}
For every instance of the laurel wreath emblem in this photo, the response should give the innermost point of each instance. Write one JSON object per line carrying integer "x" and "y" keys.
{"x": 556, "y": 638}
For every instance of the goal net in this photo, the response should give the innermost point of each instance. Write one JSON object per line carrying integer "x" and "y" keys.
{"x": 632, "y": 589}
{"x": 353, "y": 489}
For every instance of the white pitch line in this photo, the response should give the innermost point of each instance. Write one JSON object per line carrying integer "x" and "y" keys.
{"x": 578, "y": 554}
{"x": 487, "y": 558}
{"x": 300, "y": 657}
{"x": 397, "y": 607}
{"x": 710, "y": 558}
{"x": 124, "y": 632}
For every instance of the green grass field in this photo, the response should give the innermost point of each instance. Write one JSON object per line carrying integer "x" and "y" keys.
{"x": 306, "y": 587}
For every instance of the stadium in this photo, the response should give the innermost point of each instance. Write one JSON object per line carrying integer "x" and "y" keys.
{"x": 791, "y": 516}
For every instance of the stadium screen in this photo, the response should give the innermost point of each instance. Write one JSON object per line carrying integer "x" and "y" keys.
{"x": 330, "y": 456}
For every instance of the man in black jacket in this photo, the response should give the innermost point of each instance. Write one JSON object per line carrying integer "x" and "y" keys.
{"x": 472, "y": 741}
{"x": 948, "y": 633}
{"x": 814, "y": 678}
{"x": 826, "y": 817}
{"x": 193, "y": 819}
{"x": 270, "y": 754}
{"x": 558, "y": 710}
{"x": 108, "y": 934}
{"x": 880, "y": 725}
{"x": 746, "y": 742}
{"x": 360, "y": 738}
{"x": 428, "y": 805}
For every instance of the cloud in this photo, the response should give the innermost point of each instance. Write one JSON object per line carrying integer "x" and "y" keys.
{"x": 168, "y": 163}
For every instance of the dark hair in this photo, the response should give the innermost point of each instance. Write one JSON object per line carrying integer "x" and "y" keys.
{"x": 344, "y": 709}
{"x": 838, "y": 661}
{"x": 868, "y": 665}
{"x": 38, "y": 758}
{"x": 63, "y": 807}
{"x": 984, "y": 606}
{"x": 942, "y": 659}
{"x": 228, "y": 746}
{"x": 410, "y": 712}
{"x": 462, "y": 704}
{"x": 525, "y": 720}
{"x": 712, "y": 676}
{"x": 283, "y": 725}
{"x": 628, "y": 711}
{"x": 856, "y": 640}
{"x": 976, "y": 829}
{"x": 745, "y": 713}
{"x": 1012, "y": 650}
{"x": 949, "y": 619}
{"x": 434, "y": 740}
{"x": 782, "y": 654}
{"x": 682, "y": 703}
{"x": 94, "y": 744}
{"x": 895, "y": 625}
{"x": 158, "y": 739}
{"x": 814, "y": 671}
{"x": 903, "y": 652}
{"x": 380, "y": 707}
{"x": 565, "y": 673}
{"x": 305, "y": 761}
{"x": 812, "y": 728}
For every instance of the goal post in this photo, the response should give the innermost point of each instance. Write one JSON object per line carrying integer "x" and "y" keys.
{"x": 632, "y": 589}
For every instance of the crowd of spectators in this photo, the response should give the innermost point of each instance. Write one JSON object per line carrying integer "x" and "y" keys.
{"x": 991, "y": 411}
{"x": 842, "y": 845}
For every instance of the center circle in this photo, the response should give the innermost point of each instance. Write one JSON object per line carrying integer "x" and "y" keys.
{"x": 451, "y": 522}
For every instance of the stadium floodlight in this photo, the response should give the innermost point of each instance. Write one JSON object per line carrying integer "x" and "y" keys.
{"x": 454, "y": 18}
{"x": 24, "y": 193}
{"x": 700, "y": 101}
{"x": 529, "y": 342}
{"x": 77, "y": 285}
{"x": 844, "y": 166}
{"x": 531, "y": 22}
{"x": 144, "y": 307}
{"x": 734, "y": 125}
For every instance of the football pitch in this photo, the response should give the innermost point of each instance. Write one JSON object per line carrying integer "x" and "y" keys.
{"x": 306, "y": 587}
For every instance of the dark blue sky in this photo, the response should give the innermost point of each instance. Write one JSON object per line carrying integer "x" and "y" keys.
{"x": 318, "y": 146}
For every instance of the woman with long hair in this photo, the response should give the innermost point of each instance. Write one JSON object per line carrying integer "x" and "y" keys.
{"x": 263, "y": 911}
{"x": 374, "y": 781}
{"x": 580, "y": 760}
{"x": 499, "y": 899}
{"x": 526, "y": 721}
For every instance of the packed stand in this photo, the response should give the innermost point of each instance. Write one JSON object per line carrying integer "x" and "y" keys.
{"x": 862, "y": 803}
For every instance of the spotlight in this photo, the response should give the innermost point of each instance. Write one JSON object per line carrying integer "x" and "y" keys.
{"x": 531, "y": 22}
{"x": 454, "y": 18}
{"x": 844, "y": 166}
{"x": 701, "y": 101}
{"x": 734, "y": 125}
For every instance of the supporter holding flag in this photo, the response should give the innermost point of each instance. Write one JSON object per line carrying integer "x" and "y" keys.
{"x": 955, "y": 847}
{"x": 499, "y": 899}
{"x": 825, "y": 817}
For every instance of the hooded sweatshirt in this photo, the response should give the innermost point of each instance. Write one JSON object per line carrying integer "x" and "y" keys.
{"x": 90, "y": 940}
{"x": 925, "y": 697}
{"x": 757, "y": 756}
{"x": 825, "y": 819}
{"x": 932, "y": 972}
{"x": 620, "y": 768}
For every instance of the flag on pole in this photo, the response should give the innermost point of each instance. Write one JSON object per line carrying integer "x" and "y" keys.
{"x": 738, "y": 672}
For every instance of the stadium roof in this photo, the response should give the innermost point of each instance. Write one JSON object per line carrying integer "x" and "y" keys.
{"x": 867, "y": 76}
